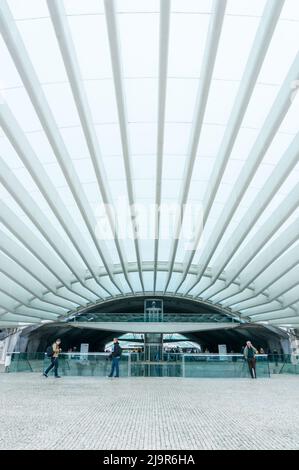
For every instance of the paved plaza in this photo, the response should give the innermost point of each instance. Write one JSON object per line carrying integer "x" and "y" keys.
{"x": 148, "y": 413}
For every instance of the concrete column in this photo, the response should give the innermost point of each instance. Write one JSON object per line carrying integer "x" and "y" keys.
{"x": 8, "y": 345}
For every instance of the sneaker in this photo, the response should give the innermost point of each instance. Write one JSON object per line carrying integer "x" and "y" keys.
{"x": 45, "y": 375}
{"x": 57, "y": 376}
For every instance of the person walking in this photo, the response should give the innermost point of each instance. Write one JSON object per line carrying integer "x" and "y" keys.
{"x": 115, "y": 355}
{"x": 56, "y": 350}
{"x": 249, "y": 354}
{"x": 275, "y": 356}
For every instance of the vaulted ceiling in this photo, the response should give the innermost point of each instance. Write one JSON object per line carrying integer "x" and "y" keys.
{"x": 149, "y": 103}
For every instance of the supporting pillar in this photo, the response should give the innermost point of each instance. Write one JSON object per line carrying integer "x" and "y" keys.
{"x": 153, "y": 342}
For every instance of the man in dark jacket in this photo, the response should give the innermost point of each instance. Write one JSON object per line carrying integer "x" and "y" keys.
{"x": 115, "y": 355}
{"x": 249, "y": 354}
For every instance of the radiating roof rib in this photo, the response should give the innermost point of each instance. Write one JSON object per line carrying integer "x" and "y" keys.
{"x": 282, "y": 311}
{"x": 14, "y": 291}
{"x": 36, "y": 170}
{"x": 15, "y": 272}
{"x": 283, "y": 319}
{"x": 255, "y": 61}
{"x": 22, "y": 61}
{"x": 284, "y": 166}
{"x": 19, "y": 290}
{"x": 114, "y": 43}
{"x": 280, "y": 286}
{"x": 35, "y": 246}
{"x": 8, "y": 302}
{"x": 35, "y": 214}
{"x": 64, "y": 38}
{"x": 277, "y": 270}
{"x": 163, "y": 61}
{"x": 211, "y": 48}
{"x": 11, "y": 318}
{"x": 32, "y": 210}
{"x": 266, "y": 231}
{"x": 14, "y": 251}
{"x": 263, "y": 198}
{"x": 89, "y": 101}
{"x": 287, "y": 301}
{"x": 261, "y": 262}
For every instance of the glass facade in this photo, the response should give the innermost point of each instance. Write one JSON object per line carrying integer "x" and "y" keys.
{"x": 167, "y": 317}
{"x": 166, "y": 364}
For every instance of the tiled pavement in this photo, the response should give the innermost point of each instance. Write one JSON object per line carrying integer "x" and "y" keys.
{"x": 148, "y": 413}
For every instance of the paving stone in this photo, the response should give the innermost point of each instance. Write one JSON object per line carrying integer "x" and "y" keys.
{"x": 148, "y": 413}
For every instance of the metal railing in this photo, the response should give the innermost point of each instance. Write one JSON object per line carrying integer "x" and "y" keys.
{"x": 139, "y": 317}
{"x": 70, "y": 364}
{"x": 170, "y": 364}
{"x": 222, "y": 365}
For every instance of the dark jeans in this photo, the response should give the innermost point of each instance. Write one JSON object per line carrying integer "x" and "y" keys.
{"x": 251, "y": 365}
{"x": 115, "y": 366}
{"x": 54, "y": 363}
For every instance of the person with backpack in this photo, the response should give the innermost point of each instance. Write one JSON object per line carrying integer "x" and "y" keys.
{"x": 249, "y": 354}
{"x": 115, "y": 355}
{"x": 53, "y": 352}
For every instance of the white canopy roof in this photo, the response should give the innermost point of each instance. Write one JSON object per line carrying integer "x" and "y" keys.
{"x": 183, "y": 102}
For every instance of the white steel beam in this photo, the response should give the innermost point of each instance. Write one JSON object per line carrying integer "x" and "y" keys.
{"x": 40, "y": 250}
{"x": 269, "y": 276}
{"x": 290, "y": 317}
{"x": 209, "y": 58}
{"x": 255, "y": 61}
{"x": 264, "y": 234}
{"x": 210, "y": 291}
{"x": 13, "y": 271}
{"x": 267, "y": 311}
{"x": 30, "y": 264}
{"x": 261, "y": 262}
{"x": 65, "y": 41}
{"x": 27, "y": 155}
{"x": 28, "y": 75}
{"x": 277, "y": 289}
{"x": 115, "y": 53}
{"x": 9, "y": 304}
{"x": 10, "y": 288}
{"x": 290, "y": 299}
{"x": 11, "y": 318}
{"x": 40, "y": 220}
{"x": 264, "y": 197}
{"x": 163, "y": 63}
{"x": 16, "y": 273}
{"x": 35, "y": 245}
{"x": 271, "y": 315}
{"x": 280, "y": 173}
{"x": 276, "y": 271}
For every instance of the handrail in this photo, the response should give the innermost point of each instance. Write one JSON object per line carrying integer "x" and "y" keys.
{"x": 221, "y": 355}
{"x": 75, "y": 353}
